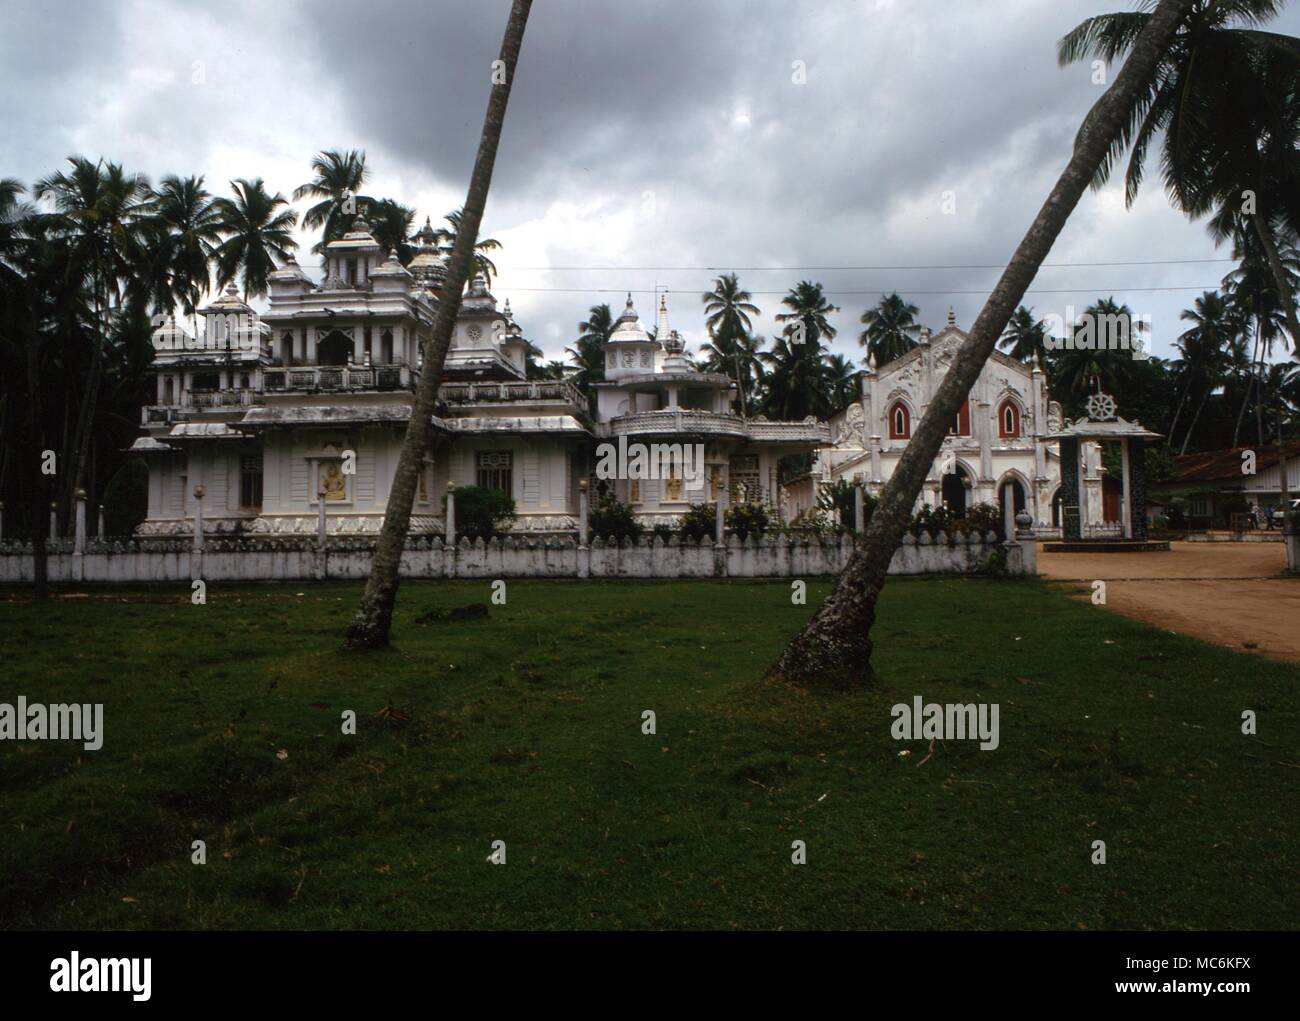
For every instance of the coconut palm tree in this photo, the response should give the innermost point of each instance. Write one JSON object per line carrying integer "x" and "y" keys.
{"x": 257, "y": 232}
{"x": 1204, "y": 349}
{"x": 191, "y": 229}
{"x": 834, "y": 648}
{"x": 391, "y": 224}
{"x": 99, "y": 212}
{"x": 891, "y": 328}
{"x": 370, "y": 626}
{"x": 806, "y": 321}
{"x": 587, "y": 353}
{"x": 1222, "y": 103}
{"x": 1079, "y": 370}
{"x": 796, "y": 380}
{"x": 841, "y": 382}
{"x": 483, "y": 266}
{"x": 1253, "y": 292}
{"x": 1025, "y": 338}
{"x": 727, "y": 310}
{"x": 338, "y": 177}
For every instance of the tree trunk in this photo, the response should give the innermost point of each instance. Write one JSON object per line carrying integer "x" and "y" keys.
{"x": 834, "y": 648}
{"x": 1279, "y": 275}
{"x": 1245, "y": 400}
{"x": 39, "y": 494}
{"x": 86, "y": 416}
{"x": 370, "y": 627}
{"x": 1178, "y": 413}
{"x": 1195, "y": 418}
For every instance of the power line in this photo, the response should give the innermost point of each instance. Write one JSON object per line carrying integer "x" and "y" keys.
{"x": 830, "y": 269}
{"x": 874, "y": 290}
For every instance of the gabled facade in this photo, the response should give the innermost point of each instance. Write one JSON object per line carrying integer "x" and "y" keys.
{"x": 995, "y": 451}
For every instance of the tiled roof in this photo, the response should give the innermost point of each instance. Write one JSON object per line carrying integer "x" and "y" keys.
{"x": 1226, "y": 464}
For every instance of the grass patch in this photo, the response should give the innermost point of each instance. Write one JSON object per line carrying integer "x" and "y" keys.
{"x": 222, "y": 723}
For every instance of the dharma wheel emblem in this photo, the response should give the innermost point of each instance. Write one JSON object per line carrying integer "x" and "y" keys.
{"x": 1101, "y": 407}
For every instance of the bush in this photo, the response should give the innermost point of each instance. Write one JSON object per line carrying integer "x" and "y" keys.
{"x": 931, "y": 521}
{"x": 126, "y": 499}
{"x": 747, "y": 519}
{"x": 482, "y": 513}
{"x": 700, "y": 521}
{"x": 836, "y": 498}
{"x": 982, "y": 519}
{"x": 609, "y": 518}
{"x": 664, "y": 532}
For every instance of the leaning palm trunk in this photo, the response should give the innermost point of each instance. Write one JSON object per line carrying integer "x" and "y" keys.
{"x": 1195, "y": 418}
{"x": 370, "y": 627}
{"x": 1245, "y": 400}
{"x": 1284, "y": 290}
{"x": 834, "y": 648}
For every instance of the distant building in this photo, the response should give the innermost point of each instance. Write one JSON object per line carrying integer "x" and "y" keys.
{"x": 1210, "y": 486}
{"x": 273, "y": 415}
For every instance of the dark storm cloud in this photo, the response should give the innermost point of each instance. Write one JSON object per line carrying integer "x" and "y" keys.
{"x": 667, "y": 134}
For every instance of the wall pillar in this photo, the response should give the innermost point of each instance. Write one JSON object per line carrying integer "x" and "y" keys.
{"x": 1071, "y": 512}
{"x": 54, "y": 520}
{"x": 1136, "y": 451}
{"x": 79, "y": 543}
{"x": 582, "y": 512}
{"x": 198, "y": 519}
{"x": 450, "y": 538}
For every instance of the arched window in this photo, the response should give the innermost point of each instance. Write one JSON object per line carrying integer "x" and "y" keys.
{"x": 900, "y": 422}
{"x": 961, "y": 424}
{"x": 1009, "y": 419}
{"x": 169, "y": 393}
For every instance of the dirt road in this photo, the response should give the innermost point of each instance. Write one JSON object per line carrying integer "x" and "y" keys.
{"x": 1228, "y": 593}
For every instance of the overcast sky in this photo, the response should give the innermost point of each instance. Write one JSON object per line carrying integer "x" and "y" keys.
{"x": 662, "y": 142}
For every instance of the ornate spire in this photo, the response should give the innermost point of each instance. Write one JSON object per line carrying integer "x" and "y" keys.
{"x": 662, "y": 332}
{"x": 952, "y": 317}
{"x": 629, "y": 313}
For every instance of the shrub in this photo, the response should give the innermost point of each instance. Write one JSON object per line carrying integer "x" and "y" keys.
{"x": 609, "y": 518}
{"x": 700, "y": 521}
{"x": 982, "y": 518}
{"x": 932, "y": 521}
{"x": 482, "y": 513}
{"x": 664, "y": 532}
{"x": 126, "y": 499}
{"x": 836, "y": 498}
{"x": 747, "y": 519}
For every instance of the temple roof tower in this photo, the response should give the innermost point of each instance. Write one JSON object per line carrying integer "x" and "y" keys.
{"x": 630, "y": 350}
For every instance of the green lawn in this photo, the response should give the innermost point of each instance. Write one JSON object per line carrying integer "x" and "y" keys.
{"x": 526, "y": 728}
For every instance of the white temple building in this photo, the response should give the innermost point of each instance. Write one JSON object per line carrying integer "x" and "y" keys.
{"x": 265, "y": 417}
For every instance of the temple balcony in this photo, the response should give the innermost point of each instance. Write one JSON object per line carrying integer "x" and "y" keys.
{"x": 551, "y": 391}
{"x": 307, "y": 378}
{"x": 204, "y": 399}
{"x": 678, "y": 422}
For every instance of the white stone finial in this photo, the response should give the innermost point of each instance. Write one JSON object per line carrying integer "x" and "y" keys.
{"x": 952, "y": 317}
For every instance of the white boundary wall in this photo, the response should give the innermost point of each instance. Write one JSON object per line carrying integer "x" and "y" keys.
{"x": 297, "y": 560}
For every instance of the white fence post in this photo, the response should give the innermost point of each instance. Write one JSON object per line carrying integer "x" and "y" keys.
{"x": 198, "y": 519}
{"x": 450, "y": 538}
{"x": 79, "y": 542}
